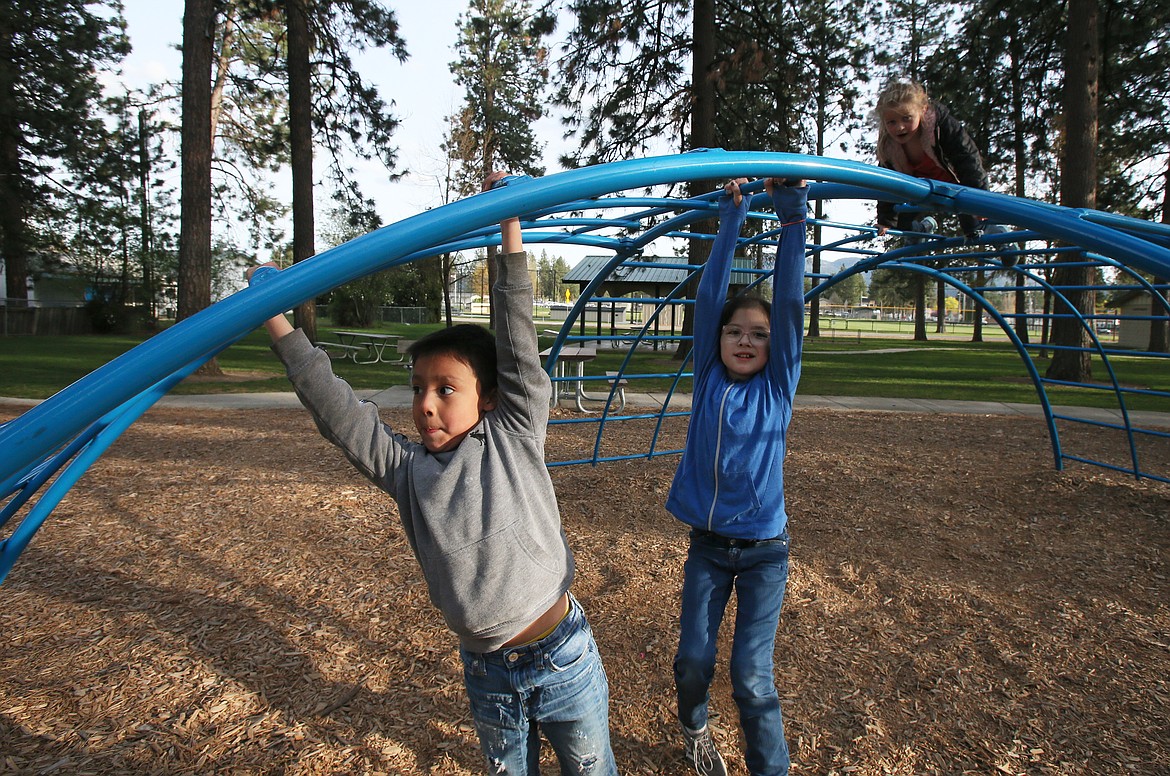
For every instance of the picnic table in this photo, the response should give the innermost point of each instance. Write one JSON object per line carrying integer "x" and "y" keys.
{"x": 364, "y": 347}
{"x": 579, "y": 355}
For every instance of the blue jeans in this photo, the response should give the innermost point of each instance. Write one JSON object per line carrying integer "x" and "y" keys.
{"x": 758, "y": 572}
{"x": 557, "y": 686}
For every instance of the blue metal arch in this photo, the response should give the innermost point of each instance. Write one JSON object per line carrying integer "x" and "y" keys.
{"x": 70, "y": 429}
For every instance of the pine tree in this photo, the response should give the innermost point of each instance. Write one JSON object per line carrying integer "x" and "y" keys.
{"x": 1078, "y": 183}
{"x": 1134, "y": 106}
{"x": 503, "y": 69}
{"x": 836, "y": 62}
{"x": 647, "y": 76}
{"x": 249, "y": 125}
{"x": 121, "y": 229}
{"x": 263, "y": 69}
{"x": 916, "y": 29}
{"x": 654, "y": 75}
{"x": 51, "y": 52}
{"x": 624, "y": 78}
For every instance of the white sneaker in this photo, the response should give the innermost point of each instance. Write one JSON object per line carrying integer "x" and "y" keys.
{"x": 702, "y": 754}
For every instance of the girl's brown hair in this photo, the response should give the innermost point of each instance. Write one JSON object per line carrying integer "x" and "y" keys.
{"x": 741, "y": 301}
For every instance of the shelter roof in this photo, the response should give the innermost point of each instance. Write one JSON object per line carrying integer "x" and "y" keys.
{"x": 653, "y": 280}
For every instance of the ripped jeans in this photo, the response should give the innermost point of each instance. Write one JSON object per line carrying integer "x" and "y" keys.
{"x": 556, "y": 686}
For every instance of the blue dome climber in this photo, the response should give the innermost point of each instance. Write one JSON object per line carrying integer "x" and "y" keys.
{"x": 46, "y": 450}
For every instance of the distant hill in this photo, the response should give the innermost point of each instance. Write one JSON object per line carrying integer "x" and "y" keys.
{"x": 833, "y": 266}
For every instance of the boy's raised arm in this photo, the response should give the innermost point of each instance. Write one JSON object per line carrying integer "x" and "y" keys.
{"x": 511, "y": 239}
{"x": 523, "y": 384}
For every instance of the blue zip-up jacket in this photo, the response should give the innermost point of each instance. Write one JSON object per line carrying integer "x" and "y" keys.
{"x": 730, "y": 480}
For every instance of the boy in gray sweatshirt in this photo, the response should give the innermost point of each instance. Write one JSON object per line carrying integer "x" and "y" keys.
{"x": 478, "y": 507}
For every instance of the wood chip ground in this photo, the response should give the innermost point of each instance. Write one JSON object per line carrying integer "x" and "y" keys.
{"x": 222, "y": 593}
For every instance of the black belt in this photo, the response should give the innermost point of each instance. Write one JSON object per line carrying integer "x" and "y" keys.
{"x": 727, "y": 541}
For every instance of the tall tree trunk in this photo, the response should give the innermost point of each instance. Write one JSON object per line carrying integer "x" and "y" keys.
{"x": 487, "y": 168}
{"x": 1021, "y": 305}
{"x": 940, "y": 301}
{"x": 814, "y": 305}
{"x": 702, "y": 136}
{"x": 1019, "y": 127}
{"x": 434, "y": 292}
{"x": 13, "y": 236}
{"x": 145, "y": 227}
{"x": 1158, "y": 327}
{"x": 446, "y": 270}
{"x": 977, "y": 311}
{"x": 1046, "y": 319}
{"x": 300, "y": 128}
{"x": 195, "y": 197}
{"x": 125, "y": 297}
{"x": 1078, "y": 183}
{"x": 1019, "y": 162}
{"x": 919, "y": 307}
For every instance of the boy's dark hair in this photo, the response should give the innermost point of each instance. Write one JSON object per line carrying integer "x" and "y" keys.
{"x": 742, "y": 301}
{"x": 471, "y": 344}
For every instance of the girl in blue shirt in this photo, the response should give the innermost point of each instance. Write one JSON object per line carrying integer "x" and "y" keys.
{"x": 729, "y": 487}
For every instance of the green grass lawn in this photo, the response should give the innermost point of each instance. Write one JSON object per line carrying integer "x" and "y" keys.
{"x": 878, "y": 363}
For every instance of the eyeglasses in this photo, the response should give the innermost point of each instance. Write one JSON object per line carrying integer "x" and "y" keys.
{"x": 735, "y": 334}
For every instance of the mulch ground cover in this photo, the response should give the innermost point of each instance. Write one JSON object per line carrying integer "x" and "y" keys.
{"x": 222, "y": 593}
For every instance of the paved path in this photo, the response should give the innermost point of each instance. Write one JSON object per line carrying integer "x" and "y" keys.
{"x": 399, "y": 396}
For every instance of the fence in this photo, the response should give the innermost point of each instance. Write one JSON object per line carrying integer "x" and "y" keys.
{"x": 405, "y": 315}
{"x": 391, "y": 314}
{"x": 18, "y": 319}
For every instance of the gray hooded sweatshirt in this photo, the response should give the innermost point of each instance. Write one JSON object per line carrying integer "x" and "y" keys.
{"x": 482, "y": 519}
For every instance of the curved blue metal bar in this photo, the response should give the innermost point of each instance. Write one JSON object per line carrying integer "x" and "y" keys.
{"x": 946, "y": 274}
{"x": 1096, "y": 346}
{"x": 1087, "y": 325}
{"x": 55, "y": 430}
{"x": 662, "y": 414}
{"x": 627, "y": 248}
{"x": 570, "y": 319}
{"x": 1021, "y": 350}
{"x": 73, "y": 461}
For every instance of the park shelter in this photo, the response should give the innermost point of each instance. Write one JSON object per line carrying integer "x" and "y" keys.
{"x": 1135, "y": 310}
{"x": 652, "y": 282}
